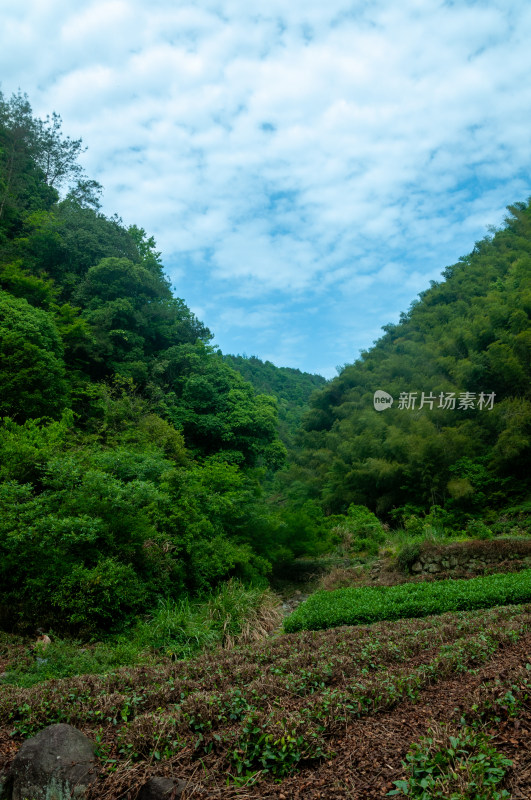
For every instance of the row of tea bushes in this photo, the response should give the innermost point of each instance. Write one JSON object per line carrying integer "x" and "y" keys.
{"x": 354, "y": 606}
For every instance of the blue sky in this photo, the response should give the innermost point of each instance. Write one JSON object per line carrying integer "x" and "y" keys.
{"x": 306, "y": 168}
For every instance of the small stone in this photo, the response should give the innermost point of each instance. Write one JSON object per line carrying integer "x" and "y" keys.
{"x": 43, "y": 641}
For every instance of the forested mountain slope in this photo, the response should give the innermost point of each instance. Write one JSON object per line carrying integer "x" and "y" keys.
{"x": 131, "y": 454}
{"x": 465, "y": 339}
{"x": 291, "y": 388}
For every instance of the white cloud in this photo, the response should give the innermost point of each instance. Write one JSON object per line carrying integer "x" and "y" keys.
{"x": 301, "y": 148}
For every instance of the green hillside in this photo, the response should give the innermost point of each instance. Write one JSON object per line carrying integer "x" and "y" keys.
{"x": 291, "y": 388}
{"x": 131, "y": 453}
{"x": 138, "y": 463}
{"x": 458, "y": 368}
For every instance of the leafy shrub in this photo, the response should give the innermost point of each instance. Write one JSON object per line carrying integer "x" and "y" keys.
{"x": 461, "y": 767}
{"x": 275, "y": 746}
{"x": 514, "y": 521}
{"x": 364, "y": 524}
{"x": 32, "y": 371}
{"x": 359, "y": 531}
{"x": 102, "y": 597}
{"x": 408, "y": 554}
{"x": 434, "y": 525}
{"x": 477, "y": 529}
{"x": 355, "y": 606}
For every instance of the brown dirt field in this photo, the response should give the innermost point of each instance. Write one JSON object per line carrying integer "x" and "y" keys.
{"x": 369, "y": 755}
{"x": 367, "y": 750}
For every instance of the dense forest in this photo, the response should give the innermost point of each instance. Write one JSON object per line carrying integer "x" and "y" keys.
{"x": 291, "y": 388}
{"x": 131, "y": 453}
{"x": 458, "y": 365}
{"x": 139, "y": 462}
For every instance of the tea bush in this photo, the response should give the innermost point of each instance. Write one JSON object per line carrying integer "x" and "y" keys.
{"x": 354, "y": 606}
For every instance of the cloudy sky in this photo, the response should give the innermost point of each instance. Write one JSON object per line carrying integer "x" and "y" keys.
{"x": 306, "y": 167}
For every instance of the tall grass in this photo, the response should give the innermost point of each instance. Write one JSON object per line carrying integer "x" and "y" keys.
{"x": 232, "y": 615}
{"x": 176, "y": 629}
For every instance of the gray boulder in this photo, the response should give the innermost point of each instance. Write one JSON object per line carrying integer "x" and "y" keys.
{"x": 56, "y": 764}
{"x": 161, "y": 789}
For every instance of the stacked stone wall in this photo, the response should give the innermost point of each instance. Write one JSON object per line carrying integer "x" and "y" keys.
{"x": 473, "y": 557}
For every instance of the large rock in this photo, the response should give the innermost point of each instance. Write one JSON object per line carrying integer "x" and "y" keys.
{"x": 161, "y": 789}
{"x": 56, "y": 764}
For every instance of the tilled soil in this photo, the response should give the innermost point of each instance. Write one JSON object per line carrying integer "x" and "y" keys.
{"x": 364, "y": 754}
{"x": 368, "y": 756}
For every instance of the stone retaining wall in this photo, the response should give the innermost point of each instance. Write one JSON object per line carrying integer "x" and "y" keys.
{"x": 474, "y": 557}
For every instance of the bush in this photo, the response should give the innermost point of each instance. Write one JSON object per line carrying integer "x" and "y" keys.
{"x": 408, "y": 554}
{"x": 103, "y": 597}
{"x": 360, "y": 531}
{"x": 356, "y": 606}
{"x": 437, "y": 524}
{"x": 464, "y": 766}
{"x": 234, "y": 613}
{"x": 477, "y": 529}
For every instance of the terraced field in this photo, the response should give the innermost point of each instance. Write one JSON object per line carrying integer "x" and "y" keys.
{"x": 326, "y": 714}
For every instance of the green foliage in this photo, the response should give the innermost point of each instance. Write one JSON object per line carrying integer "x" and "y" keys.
{"x": 469, "y": 333}
{"x": 182, "y": 628}
{"x": 152, "y": 486}
{"x": 465, "y": 766}
{"x": 354, "y": 606}
{"x": 65, "y": 658}
{"x": 477, "y": 529}
{"x": 176, "y": 629}
{"x": 134, "y": 456}
{"x": 21, "y": 283}
{"x": 290, "y": 387}
{"x": 32, "y": 371}
{"x": 363, "y": 523}
{"x": 407, "y": 554}
{"x": 274, "y": 748}
{"x": 104, "y": 596}
{"x": 89, "y": 536}
{"x": 304, "y": 531}
{"x": 359, "y": 531}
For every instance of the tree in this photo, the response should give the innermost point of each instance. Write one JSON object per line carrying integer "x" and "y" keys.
{"x": 32, "y": 372}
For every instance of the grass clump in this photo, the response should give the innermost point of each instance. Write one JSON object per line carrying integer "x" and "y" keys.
{"x": 354, "y": 606}
{"x": 176, "y": 629}
{"x": 235, "y": 614}
{"x": 66, "y": 658}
